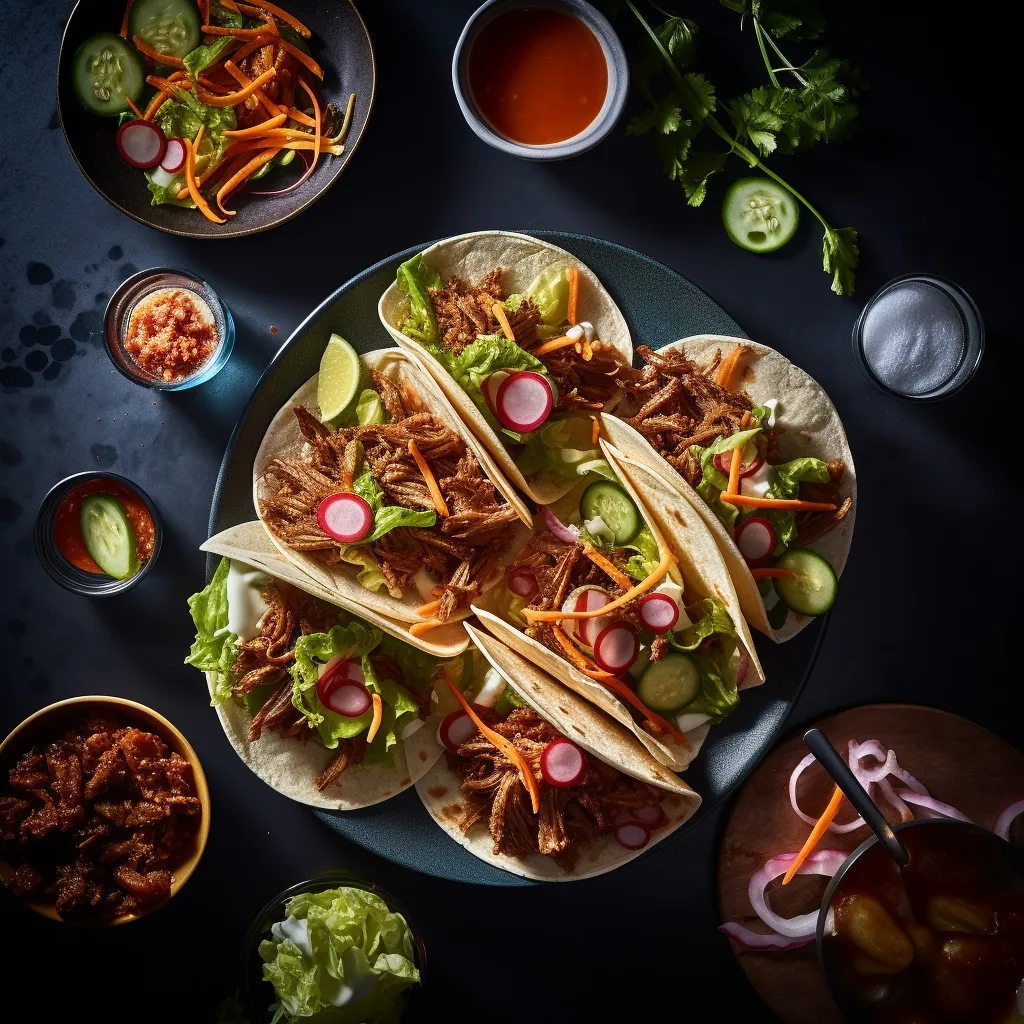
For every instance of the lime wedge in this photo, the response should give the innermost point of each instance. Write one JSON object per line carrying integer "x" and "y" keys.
{"x": 340, "y": 380}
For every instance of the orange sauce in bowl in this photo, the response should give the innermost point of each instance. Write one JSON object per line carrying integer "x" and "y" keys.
{"x": 538, "y": 76}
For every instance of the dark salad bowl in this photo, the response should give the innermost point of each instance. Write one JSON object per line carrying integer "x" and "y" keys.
{"x": 340, "y": 44}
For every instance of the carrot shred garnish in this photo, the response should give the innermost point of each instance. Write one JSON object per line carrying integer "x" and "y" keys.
{"x": 607, "y": 566}
{"x": 190, "y": 179}
{"x": 204, "y": 11}
{"x": 553, "y": 344}
{"x": 298, "y": 115}
{"x": 234, "y": 98}
{"x": 160, "y": 58}
{"x": 793, "y": 504}
{"x": 378, "y": 714}
{"x": 124, "y": 20}
{"x": 595, "y": 430}
{"x": 666, "y": 563}
{"x": 302, "y": 58}
{"x": 816, "y": 833}
{"x": 507, "y": 748}
{"x": 135, "y": 110}
{"x": 316, "y": 129}
{"x": 772, "y": 574}
{"x": 737, "y": 460}
{"x": 574, "y": 294}
{"x": 426, "y": 610}
{"x": 725, "y": 376}
{"x": 257, "y": 129}
{"x": 502, "y": 317}
{"x": 247, "y": 83}
{"x": 257, "y": 11}
{"x": 252, "y": 46}
{"x": 435, "y": 492}
{"x": 241, "y": 175}
{"x": 167, "y": 85}
{"x": 417, "y": 628}
{"x": 154, "y": 105}
{"x": 238, "y": 33}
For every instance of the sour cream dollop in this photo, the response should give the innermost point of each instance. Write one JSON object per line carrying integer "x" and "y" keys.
{"x": 246, "y": 606}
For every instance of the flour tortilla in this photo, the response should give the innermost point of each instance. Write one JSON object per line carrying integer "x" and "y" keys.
{"x": 472, "y": 257}
{"x": 283, "y": 439}
{"x": 700, "y": 570}
{"x": 813, "y": 428}
{"x": 579, "y": 721}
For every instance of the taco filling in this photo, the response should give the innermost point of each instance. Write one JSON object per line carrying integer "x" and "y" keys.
{"x": 532, "y": 365}
{"x": 397, "y": 494}
{"x": 300, "y": 666}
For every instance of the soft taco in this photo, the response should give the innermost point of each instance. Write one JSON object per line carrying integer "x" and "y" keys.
{"x": 540, "y": 783}
{"x": 524, "y": 340}
{"x": 647, "y": 630}
{"x": 325, "y": 707}
{"x": 397, "y": 507}
{"x": 784, "y": 520}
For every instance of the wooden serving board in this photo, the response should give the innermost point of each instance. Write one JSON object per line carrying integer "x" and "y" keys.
{"x": 958, "y": 762}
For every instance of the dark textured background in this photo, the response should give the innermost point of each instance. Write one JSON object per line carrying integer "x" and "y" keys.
{"x": 927, "y": 603}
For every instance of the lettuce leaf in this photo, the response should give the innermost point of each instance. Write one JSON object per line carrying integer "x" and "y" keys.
{"x": 646, "y": 558}
{"x": 785, "y": 483}
{"x": 369, "y": 575}
{"x": 213, "y": 649}
{"x": 399, "y": 709}
{"x": 719, "y": 693}
{"x": 387, "y": 517}
{"x": 555, "y": 448}
{"x": 355, "y": 941}
{"x": 202, "y": 57}
{"x": 714, "y": 620}
{"x": 549, "y": 292}
{"x": 712, "y": 480}
{"x": 488, "y": 354}
{"x": 415, "y": 281}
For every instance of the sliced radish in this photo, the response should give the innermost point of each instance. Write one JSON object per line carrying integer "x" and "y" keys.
{"x": 522, "y": 583}
{"x": 616, "y": 647}
{"x": 141, "y": 143}
{"x": 749, "y": 464}
{"x": 348, "y": 699}
{"x": 562, "y": 763}
{"x": 342, "y": 687}
{"x": 632, "y": 835}
{"x": 585, "y": 599}
{"x": 489, "y": 388}
{"x": 523, "y": 401}
{"x": 347, "y": 670}
{"x": 652, "y": 817}
{"x": 456, "y": 729}
{"x": 174, "y": 156}
{"x": 755, "y": 537}
{"x": 658, "y": 612}
{"x": 345, "y": 517}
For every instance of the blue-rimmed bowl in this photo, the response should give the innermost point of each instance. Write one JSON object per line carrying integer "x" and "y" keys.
{"x": 614, "y": 100}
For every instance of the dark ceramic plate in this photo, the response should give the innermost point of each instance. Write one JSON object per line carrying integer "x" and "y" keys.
{"x": 340, "y": 44}
{"x": 660, "y": 306}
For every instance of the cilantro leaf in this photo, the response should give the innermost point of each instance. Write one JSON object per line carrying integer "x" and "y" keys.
{"x": 840, "y": 252}
{"x": 678, "y": 36}
{"x": 699, "y": 169}
{"x": 664, "y": 117}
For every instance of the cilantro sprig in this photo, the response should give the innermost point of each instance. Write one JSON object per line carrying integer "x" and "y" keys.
{"x": 802, "y": 105}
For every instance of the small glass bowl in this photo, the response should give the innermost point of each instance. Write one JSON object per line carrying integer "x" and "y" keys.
{"x": 59, "y": 569}
{"x": 128, "y": 296}
{"x": 257, "y": 994}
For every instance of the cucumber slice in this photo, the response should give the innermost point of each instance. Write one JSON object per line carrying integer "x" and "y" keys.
{"x": 611, "y": 502}
{"x": 813, "y": 590}
{"x": 669, "y": 684}
{"x": 108, "y": 535}
{"x": 170, "y": 27}
{"x": 106, "y": 72}
{"x": 759, "y": 215}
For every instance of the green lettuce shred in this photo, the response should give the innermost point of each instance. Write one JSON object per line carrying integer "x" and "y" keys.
{"x": 214, "y": 648}
{"x": 415, "y": 281}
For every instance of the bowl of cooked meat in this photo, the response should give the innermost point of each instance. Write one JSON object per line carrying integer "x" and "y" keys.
{"x": 104, "y": 811}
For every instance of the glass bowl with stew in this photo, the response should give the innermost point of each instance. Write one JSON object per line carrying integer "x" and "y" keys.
{"x": 939, "y": 941}
{"x": 97, "y": 534}
{"x": 166, "y": 329}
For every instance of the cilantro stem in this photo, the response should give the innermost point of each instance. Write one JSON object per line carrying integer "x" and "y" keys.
{"x": 759, "y": 32}
{"x": 789, "y": 66}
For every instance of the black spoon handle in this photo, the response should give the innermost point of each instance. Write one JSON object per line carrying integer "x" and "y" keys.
{"x": 830, "y": 760}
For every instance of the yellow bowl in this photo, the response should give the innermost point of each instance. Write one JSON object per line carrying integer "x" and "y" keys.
{"x": 42, "y": 723}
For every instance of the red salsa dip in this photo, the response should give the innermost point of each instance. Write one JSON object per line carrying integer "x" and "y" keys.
{"x": 171, "y": 334}
{"x": 67, "y": 532}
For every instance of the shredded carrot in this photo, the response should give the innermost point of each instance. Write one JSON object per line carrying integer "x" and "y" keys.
{"x": 613, "y": 683}
{"x": 238, "y": 33}
{"x": 167, "y": 84}
{"x": 221, "y": 88}
{"x": 666, "y": 563}
{"x": 316, "y": 129}
{"x": 607, "y": 566}
{"x": 417, "y": 628}
{"x": 298, "y": 115}
{"x": 595, "y": 430}
{"x": 302, "y": 58}
{"x": 135, "y": 110}
{"x": 243, "y": 79}
{"x": 772, "y": 574}
{"x": 160, "y": 58}
{"x": 816, "y": 833}
{"x": 204, "y": 11}
{"x": 793, "y": 504}
{"x": 257, "y": 129}
{"x": 526, "y": 776}
{"x": 428, "y": 609}
{"x": 737, "y": 460}
{"x": 574, "y": 294}
{"x": 435, "y": 492}
{"x": 154, "y": 105}
{"x": 378, "y": 714}
{"x": 236, "y": 179}
{"x": 124, "y": 20}
{"x": 190, "y": 179}
{"x": 502, "y": 317}
{"x": 257, "y": 10}
{"x": 234, "y": 98}
{"x": 726, "y": 373}
{"x": 252, "y": 46}
{"x": 553, "y": 344}
{"x": 275, "y": 135}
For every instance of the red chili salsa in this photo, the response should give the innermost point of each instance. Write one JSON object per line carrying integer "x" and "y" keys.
{"x": 67, "y": 532}
{"x": 171, "y": 333}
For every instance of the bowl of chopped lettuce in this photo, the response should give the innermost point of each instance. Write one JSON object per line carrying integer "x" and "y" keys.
{"x": 333, "y": 950}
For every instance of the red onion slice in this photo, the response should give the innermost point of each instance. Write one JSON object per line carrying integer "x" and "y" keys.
{"x": 821, "y": 862}
{"x": 931, "y": 804}
{"x": 794, "y": 779}
{"x": 759, "y": 940}
{"x": 566, "y": 534}
{"x": 308, "y": 161}
{"x": 1005, "y": 820}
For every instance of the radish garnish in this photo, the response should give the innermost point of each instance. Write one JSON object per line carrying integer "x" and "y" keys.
{"x": 750, "y": 464}
{"x": 455, "y": 729}
{"x": 523, "y": 401}
{"x": 489, "y": 388}
{"x": 522, "y": 583}
{"x": 348, "y": 699}
{"x": 141, "y": 143}
{"x": 632, "y": 835}
{"x": 658, "y": 612}
{"x": 652, "y": 817}
{"x": 174, "y": 156}
{"x": 562, "y": 763}
{"x": 762, "y": 940}
{"x": 342, "y": 687}
{"x": 345, "y": 517}
{"x": 755, "y": 537}
{"x": 585, "y": 599}
{"x": 1005, "y": 820}
{"x": 616, "y": 647}
{"x": 557, "y": 529}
